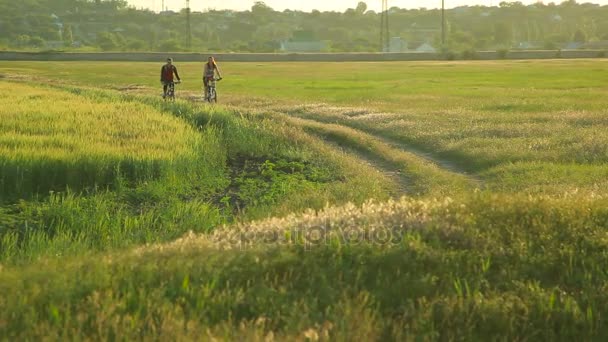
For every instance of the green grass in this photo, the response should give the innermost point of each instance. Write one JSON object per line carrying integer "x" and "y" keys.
{"x": 485, "y": 117}
{"x": 415, "y": 87}
{"x": 51, "y": 140}
{"x": 229, "y": 249}
{"x": 510, "y": 268}
{"x": 219, "y": 167}
{"x": 421, "y": 177}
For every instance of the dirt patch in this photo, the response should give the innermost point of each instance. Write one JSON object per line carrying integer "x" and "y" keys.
{"x": 18, "y": 77}
{"x": 132, "y": 87}
{"x": 264, "y": 180}
{"x": 400, "y": 179}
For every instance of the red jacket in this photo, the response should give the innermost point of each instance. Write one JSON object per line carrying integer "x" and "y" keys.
{"x": 166, "y": 73}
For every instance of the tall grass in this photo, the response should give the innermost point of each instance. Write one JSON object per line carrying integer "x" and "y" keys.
{"x": 51, "y": 140}
{"x": 189, "y": 194}
{"x": 477, "y": 266}
{"x": 510, "y": 151}
{"x": 483, "y": 268}
{"x": 424, "y": 178}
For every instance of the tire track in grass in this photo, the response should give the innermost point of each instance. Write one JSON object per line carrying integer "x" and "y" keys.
{"x": 418, "y": 175}
{"x": 400, "y": 179}
{"x": 413, "y": 171}
{"x": 445, "y": 164}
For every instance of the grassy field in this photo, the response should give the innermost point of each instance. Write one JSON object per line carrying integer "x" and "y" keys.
{"x": 270, "y": 218}
{"x": 413, "y": 87}
{"x": 51, "y": 139}
{"x": 510, "y": 268}
{"x": 532, "y": 126}
{"x": 87, "y": 170}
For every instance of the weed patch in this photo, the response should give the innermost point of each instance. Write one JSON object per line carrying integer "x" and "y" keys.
{"x": 263, "y": 181}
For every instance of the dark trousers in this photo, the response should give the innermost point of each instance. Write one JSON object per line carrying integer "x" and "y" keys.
{"x": 166, "y": 86}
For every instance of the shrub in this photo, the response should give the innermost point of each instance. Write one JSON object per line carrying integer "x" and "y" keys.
{"x": 502, "y": 53}
{"x": 469, "y": 54}
{"x": 448, "y": 55}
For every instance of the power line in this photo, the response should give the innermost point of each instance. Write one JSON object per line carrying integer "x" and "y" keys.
{"x": 384, "y": 28}
{"x": 188, "y": 27}
{"x": 443, "y": 24}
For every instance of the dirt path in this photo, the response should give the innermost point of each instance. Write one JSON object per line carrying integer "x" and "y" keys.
{"x": 332, "y": 124}
{"x": 403, "y": 184}
{"x": 340, "y": 116}
{"x": 415, "y": 175}
{"x": 412, "y": 169}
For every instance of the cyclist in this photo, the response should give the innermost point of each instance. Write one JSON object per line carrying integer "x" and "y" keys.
{"x": 166, "y": 75}
{"x": 209, "y": 73}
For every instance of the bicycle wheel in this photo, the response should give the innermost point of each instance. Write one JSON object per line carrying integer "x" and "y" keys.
{"x": 171, "y": 92}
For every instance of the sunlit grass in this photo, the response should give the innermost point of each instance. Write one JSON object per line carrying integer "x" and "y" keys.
{"x": 423, "y": 177}
{"x": 198, "y": 182}
{"x": 483, "y": 268}
{"x": 566, "y": 142}
{"x": 523, "y": 260}
{"x": 480, "y": 115}
{"x": 411, "y": 87}
{"x": 51, "y": 139}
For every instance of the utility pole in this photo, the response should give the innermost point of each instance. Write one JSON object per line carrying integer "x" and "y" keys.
{"x": 384, "y": 31}
{"x": 162, "y": 6}
{"x": 443, "y": 24}
{"x": 188, "y": 27}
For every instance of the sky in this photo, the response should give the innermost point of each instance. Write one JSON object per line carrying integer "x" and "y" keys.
{"x": 322, "y": 5}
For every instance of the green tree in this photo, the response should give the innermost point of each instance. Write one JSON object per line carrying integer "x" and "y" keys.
{"x": 361, "y": 7}
{"x": 502, "y": 33}
{"x": 37, "y": 42}
{"x": 22, "y": 40}
{"x": 350, "y": 30}
{"x": 136, "y": 45}
{"x": 68, "y": 37}
{"x": 580, "y": 36}
{"x": 107, "y": 41}
{"x": 170, "y": 45}
{"x": 260, "y": 8}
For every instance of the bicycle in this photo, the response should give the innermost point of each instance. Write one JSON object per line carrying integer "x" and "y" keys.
{"x": 211, "y": 95}
{"x": 171, "y": 90}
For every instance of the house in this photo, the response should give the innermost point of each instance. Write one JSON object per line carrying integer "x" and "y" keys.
{"x": 426, "y": 47}
{"x": 396, "y": 44}
{"x": 573, "y": 45}
{"x": 304, "y": 41}
{"x": 421, "y": 33}
{"x": 461, "y": 10}
{"x": 597, "y": 45}
{"x": 527, "y": 45}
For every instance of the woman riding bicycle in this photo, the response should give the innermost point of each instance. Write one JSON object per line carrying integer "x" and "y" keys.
{"x": 209, "y": 74}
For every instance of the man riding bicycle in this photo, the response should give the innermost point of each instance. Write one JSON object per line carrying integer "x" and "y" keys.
{"x": 166, "y": 75}
{"x": 209, "y": 74}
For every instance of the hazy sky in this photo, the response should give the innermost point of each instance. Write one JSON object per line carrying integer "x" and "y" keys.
{"x": 323, "y": 5}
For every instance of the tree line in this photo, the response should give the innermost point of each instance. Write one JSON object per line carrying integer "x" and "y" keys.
{"x": 111, "y": 25}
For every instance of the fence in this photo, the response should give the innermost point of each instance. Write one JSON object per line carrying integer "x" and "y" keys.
{"x": 297, "y": 57}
